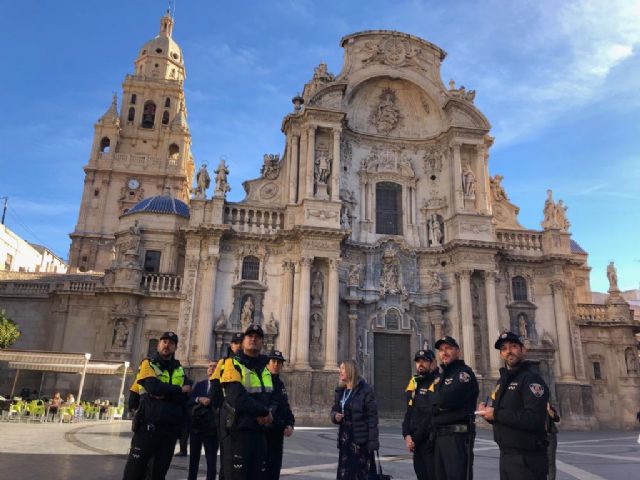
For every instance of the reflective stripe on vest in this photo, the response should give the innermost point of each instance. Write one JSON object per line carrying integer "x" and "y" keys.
{"x": 175, "y": 378}
{"x": 254, "y": 383}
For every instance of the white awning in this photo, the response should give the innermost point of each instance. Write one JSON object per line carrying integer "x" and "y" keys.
{"x": 93, "y": 368}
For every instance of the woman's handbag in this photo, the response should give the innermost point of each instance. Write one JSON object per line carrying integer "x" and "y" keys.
{"x": 378, "y": 475}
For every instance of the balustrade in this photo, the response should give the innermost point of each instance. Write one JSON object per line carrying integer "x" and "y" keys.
{"x": 161, "y": 283}
{"x": 253, "y": 219}
{"x": 591, "y": 311}
{"x": 519, "y": 239}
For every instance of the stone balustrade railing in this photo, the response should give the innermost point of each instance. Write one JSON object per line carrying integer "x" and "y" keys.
{"x": 25, "y": 288}
{"x": 81, "y": 286}
{"x": 138, "y": 161}
{"x": 520, "y": 239}
{"x": 250, "y": 219}
{"x": 591, "y": 311}
{"x": 161, "y": 282}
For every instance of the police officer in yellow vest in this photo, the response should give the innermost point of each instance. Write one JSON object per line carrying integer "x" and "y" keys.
{"x": 163, "y": 389}
{"x": 247, "y": 409}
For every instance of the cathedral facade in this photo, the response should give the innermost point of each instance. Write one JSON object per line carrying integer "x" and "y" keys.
{"x": 375, "y": 232}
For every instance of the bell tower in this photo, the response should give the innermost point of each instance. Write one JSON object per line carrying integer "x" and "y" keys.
{"x": 139, "y": 152}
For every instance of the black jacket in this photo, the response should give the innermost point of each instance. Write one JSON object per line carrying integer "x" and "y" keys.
{"x": 247, "y": 406}
{"x": 163, "y": 403}
{"x": 520, "y": 410}
{"x": 203, "y": 420}
{"x": 363, "y": 411}
{"x": 417, "y": 418}
{"x": 455, "y": 394}
{"x": 282, "y": 415}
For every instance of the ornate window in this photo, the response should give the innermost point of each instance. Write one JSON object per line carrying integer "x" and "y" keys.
{"x": 167, "y": 102}
{"x": 597, "y": 372}
{"x": 152, "y": 261}
{"x": 165, "y": 117}
{"x": 251, "y": 268}
{"x": 519, "y": 289}
{"x": 388, "y": 208}
{"x": 149, "y": 114}
{"x": 132, "y": 114}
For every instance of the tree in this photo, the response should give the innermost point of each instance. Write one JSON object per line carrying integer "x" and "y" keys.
{"x": 9, "y": 331}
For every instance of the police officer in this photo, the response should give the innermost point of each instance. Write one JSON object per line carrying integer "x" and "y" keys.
{"x": 247, "y": 409}
{"x": 163, "y": 389}
{"x": 215, "y": 392}
{"x": 283, "y": 419}
{"x": 416, "y": 427}
{"x": 518, "y": 413}
{"x": 455, "y": 394}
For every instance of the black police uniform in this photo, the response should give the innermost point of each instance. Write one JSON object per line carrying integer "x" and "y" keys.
{"x": 519, "y": 420}
{"x": 158, "y": 420}
{"x": 417, "y": 421}
{"x": 455, "y": 395}
{"x": 282, "y": 417}
{"x": 243, "y": 438}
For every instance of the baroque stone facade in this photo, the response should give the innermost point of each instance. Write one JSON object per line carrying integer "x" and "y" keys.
{"x": 377, "y": 231}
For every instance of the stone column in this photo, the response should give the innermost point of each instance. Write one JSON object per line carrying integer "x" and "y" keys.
{"x": 563, "y": 346}
{"x": 335, "y": 167}
{"x": 205, "y": 312}
{"x": 294, "y": 308}
{"x": 302, "y": 166}
{"x": 284, "y": 335}
{"x": 466, "y": 320}
{"x": 293, "y": 168}
{"x": 492, "y": 320}
{"x": 353, "y": 334}
{"x": 331, "y": 338}
{"x": 363, "y": 201}
{"x": 458, "y": 195}
{"x": 483, "y": 181}
{"x": 302, "y": 350}
{"x": 311, "y": 156}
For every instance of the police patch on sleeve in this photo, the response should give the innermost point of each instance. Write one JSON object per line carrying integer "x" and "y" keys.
{"x": 536, "y": 389}
{"x": 464, "y": 377}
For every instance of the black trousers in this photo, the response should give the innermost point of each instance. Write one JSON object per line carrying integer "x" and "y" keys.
{"x": 552, "y": 438}
{"x": 451, "y": 458}
{"x": 424, "y": 461}
{"x": 244, "y": 455}
{"x": 527, "y": 466}
{"x": 275, "y": 446}
{"x": 184, "y": 435}
{"x": 151, "y": 443}
{"x": 210, "y": 442}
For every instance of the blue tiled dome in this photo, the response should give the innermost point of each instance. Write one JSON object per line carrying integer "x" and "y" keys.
{"x": 161, "y": 204}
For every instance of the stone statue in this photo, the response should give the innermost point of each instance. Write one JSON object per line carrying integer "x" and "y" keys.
{"x": 386, "y": 115}
{"x": 323, "y": 168}
{"x": 612, "y": 275}
{"x": 120, "y": 335}
{"x": 631, "y": 361}
{"x": 316, "y": 329}
{"x": 468, "y": 182}
{"x": 246, "y": 316}
{"x": 390, "y": 274}
{"x": 354, "y": 276}
{"x": 135, "y": 235}
{"x": 203, "y": 180}
{"x": 113, "y": 253}
{"x": 221, "y": 323}
{"x": 317, "y": 288}
{"x": 522, "y": 326}
{"x": 561, "y": 216}
{"x": 435, "y": 230}
{"x": 345, "y": 218}
{"x": 434, "y": 284}
{"x": 272, "y": 325}
{"x": 497, "y": 190}
{"x": 271, "y": 166}
{"x": 549, "y": 220}
{"x": 222, "y": 186}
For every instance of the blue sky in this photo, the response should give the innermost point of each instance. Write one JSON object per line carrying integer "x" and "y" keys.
{"x": 559, "y": 81}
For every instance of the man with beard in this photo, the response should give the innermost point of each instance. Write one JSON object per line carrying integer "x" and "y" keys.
{"x": 455, "y": 394}
{"x": 416, "y": 427}
{"x": 518, "y": 414}
{"x": 246, "y": 410}
{"x": 163, "y": 389}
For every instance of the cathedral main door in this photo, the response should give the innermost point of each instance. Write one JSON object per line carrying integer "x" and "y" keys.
{"x": 392, "y": 370}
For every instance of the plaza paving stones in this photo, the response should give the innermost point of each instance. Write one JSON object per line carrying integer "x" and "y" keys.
{"x": 96, "y": 450}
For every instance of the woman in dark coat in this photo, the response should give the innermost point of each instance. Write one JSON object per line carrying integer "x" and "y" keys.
{"x": 356, "y": 411}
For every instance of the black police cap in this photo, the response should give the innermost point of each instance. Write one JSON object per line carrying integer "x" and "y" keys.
{"x": 169, "y": 336}
{"x": 254, "y": 329}
{"x": 508, "y": 337}
{"x": 276, "y": 355}
{"x": 448, "y": 340}
{"x": 237, "y": 337}
{"x": 425, "y": 354}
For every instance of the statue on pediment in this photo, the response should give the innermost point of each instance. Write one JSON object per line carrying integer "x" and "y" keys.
{"x": 555, "y": 215}
{"x": 222, "y": 184}
{"x": 271, "y": 166}
{"x": 612, "y": 276}
{"x": 468, "y": 182}
{"x": 497, "y": 190}
{"x": 203, "y": 180}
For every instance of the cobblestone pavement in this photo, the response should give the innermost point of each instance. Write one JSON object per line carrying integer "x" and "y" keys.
{"x": 97, "y": 450}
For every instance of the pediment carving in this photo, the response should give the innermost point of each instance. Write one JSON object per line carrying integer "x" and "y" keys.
{"x": 387, "y": 160}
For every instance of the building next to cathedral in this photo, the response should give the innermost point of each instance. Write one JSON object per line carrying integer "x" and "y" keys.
{"x": 376, "y": 231}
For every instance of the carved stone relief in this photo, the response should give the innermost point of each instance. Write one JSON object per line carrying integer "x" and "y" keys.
{"x": 271, "y": 166}
{"x": 385, "y": 115}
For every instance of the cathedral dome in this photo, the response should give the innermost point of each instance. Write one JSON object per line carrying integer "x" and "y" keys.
{"x": 165, "y": 204}
{"x": 161, "y": 56}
